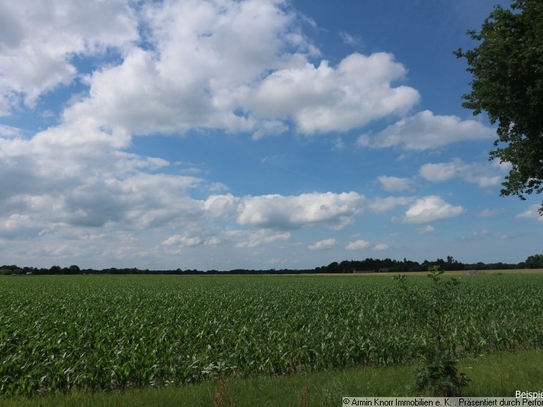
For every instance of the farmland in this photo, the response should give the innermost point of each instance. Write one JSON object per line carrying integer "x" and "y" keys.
{"x": 60, "y": 333}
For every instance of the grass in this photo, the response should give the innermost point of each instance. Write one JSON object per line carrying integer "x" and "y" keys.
{"x": 498, "y": 375}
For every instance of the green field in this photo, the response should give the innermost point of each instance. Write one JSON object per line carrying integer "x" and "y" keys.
{"x": 66, "y": 333}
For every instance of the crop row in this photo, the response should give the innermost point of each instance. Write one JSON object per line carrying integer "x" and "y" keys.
{"x": 113, "y": 332}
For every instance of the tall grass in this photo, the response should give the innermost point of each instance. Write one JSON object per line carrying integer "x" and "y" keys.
{"x": 496, "y": 375}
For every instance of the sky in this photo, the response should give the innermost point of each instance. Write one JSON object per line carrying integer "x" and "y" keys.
{"x": 247, "y": 134}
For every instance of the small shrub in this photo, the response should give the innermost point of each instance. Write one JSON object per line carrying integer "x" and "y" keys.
{"x": 440, "y": 376}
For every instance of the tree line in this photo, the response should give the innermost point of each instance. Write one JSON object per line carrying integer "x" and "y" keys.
{"x": 448, "y": 264}
{"x": 346, "y": 266}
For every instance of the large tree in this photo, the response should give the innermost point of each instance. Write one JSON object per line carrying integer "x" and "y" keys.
{"x": 507, "y": 69}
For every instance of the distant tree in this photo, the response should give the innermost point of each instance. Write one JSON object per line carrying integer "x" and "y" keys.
{"x": 333, "y": 267}
{"x": 507, "y": 69}
{"x": 10, "y": 269}
{"x": 55, "y": 270}
{"x": 73, "y": 269}
{"x": 534, "y": 262}
{"x": 345, "y": 267}
{"x": 479, "y": 266}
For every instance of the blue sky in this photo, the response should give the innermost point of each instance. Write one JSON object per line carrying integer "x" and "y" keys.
{"x": 252, "y": 134}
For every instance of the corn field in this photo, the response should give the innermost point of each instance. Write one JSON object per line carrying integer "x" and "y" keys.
{"x": 64, "y": 333}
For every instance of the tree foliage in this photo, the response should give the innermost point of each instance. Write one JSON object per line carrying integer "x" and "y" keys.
{"x": 534, "y": 262}
{"x": 507, "y": 69}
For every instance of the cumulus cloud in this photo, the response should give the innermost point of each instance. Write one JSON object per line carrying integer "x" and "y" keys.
{"x": 426, "y": 131}
{"x": 358, "y": 245}
{"x": 379, "y": 205}
{"x": 484, "y": 175}
{"x": 294, "y": 212}
{"x": 239, "y": 66}
{"x": 201, "y": 63}
{"x": 393, "y": 184}
{"x": 221, "y": 205}
{"x": 440, "y": 172}
{"x": 38, "y": 40}
{"x": 323, "y": 244}
{"x": 324, "y": 98}
{"x": 380, "y": 247}
{"x": 431, "y": 208}
{"x": 78, "y": 176}
{"x": 81, "y": 178}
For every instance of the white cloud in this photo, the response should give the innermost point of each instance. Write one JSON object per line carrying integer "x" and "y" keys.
{"x": 531, "y": 212}
{"x": 380, "y": 247}
{"x": 78, "y": 177}
{"x": 323, "y": 244}
{"x": 198, "y": 63}
{"x": 239, "y": 66}
{"x": 264, "y": 237}
{"x": 426, "y": 229}
{"x": 350, "y": 39}
{"x": 9, "y": 131}
{"x": 212, "y": 241}
{"x": 425, "y": 131}
{"x": 431, "y": 208}
{"x": 484, "y": 175}
{"x": 379, "y": 205}
{"x": 324, "y": 98}
{"x": 294, "y": 212}
{"x": 37, "y": 41}
{"x": 440, "y": 172}
{"x": 183, "y": 241}
{"x": 221, "y": 205}
{"x": 487, "y": 213}
{"x": 392, "y": 184}
{"x": 358, "y": 245}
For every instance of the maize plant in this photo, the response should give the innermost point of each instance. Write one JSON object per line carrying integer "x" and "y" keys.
{"x": 65, "y": 333}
